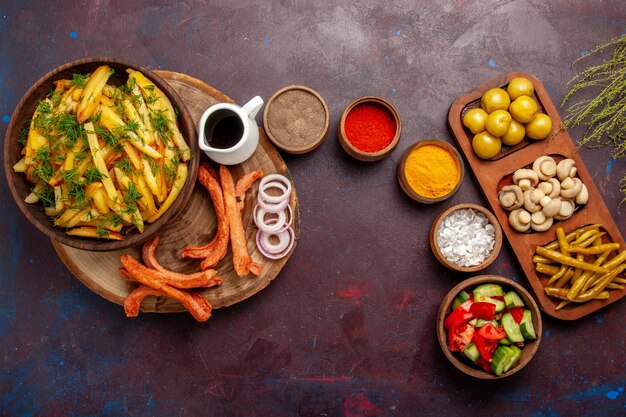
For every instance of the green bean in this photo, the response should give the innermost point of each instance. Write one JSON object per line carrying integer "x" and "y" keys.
{"x": 569, "y": 261}
{"x": 561, "y": 293}
{"x": 604, "y": 281}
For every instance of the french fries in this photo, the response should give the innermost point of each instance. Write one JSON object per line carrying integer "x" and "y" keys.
{"x": 102, "y": 158}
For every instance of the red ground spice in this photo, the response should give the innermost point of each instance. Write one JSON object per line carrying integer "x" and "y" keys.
{"x": 370, "y": 127}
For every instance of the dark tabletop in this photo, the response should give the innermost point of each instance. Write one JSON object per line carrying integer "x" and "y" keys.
{"x": 348, "y": 327}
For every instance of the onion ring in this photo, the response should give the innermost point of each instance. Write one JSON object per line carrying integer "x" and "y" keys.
{"x": 274, "y": 226}
{"x": 272, "y": 181}
{"x": 283, "y": 241}
{"x": 280, "y": 255}
{"x": 272, "y": 207}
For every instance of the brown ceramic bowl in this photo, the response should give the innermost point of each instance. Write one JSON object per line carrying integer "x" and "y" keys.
{"x": 357, "y": 153}
{"x": 284, "y": 141}
{"x": 20, "y": 187}
{"x": 434, "y": 244}
{"x": 461, "y": 363}
{"x": 404, "y": 183}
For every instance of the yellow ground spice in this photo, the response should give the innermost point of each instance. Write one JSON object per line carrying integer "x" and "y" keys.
{"x": 431, "y": 171}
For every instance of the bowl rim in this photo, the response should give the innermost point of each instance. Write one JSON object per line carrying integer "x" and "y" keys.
{"x": 357, "y": 153}
{"x": 95, "y": 244}
{"x": 297, "y": 150}
{"x": 497, "y": 238}
{"x": 442, "y": 334}
{"x": 400, "y": 172}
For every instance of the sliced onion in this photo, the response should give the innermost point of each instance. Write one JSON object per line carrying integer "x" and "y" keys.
{"x": 273, "y": 225}
{"x": 275, "y": 181}
{"x": 272, "y": 207}
{"x": 265, "y": 251}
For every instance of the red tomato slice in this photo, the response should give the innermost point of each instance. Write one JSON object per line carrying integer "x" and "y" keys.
{"x": 484, "y": 364}
{"x": 489, "y": 331}
{"x": 517, "y": 313}
{"x": 485, "y": 346}
{"x": 483, "y": 310}
{"x": 460, "y": 315}
{"x": 460, "y": 336}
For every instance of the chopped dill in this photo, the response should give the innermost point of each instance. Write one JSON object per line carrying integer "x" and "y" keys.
{"x": 92, "y": 175}
{"x": 23, "y": 134}
{"x": 79, "y": 80}
{"x": 125, "y": 166}
{"x": 132, "y": 196}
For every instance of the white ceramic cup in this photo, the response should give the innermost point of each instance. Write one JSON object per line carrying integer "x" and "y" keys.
{"x": 246, "y": 145}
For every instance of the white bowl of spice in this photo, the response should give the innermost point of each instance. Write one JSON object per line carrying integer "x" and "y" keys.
{"x": 430, "y": 171}
{"x": 466, "y": 238}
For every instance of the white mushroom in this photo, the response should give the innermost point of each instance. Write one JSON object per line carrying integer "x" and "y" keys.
{"x": 545, "y": 167}
{"x": 519, "y": 220}
{"x": 539, "y": 222}
{"x": 565, "y": 169}
{"x": 583, "y": 196}
{"x": 525, "y": 178}
{"x": 551, "y": 206}
{"x": 531, "y": 202}
{"x": 556, "y": 188}
{"x": 566, "y": 210}
{"x": 511, "y": 197}
{"x": 571, "y": 187}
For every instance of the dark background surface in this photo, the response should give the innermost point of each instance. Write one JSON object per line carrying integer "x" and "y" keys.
{"x": 348, "y": 327}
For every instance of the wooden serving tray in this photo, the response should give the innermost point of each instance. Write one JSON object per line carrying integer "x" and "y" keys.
{"x": 194, "y": 225}
{"x": 489, "y": 173}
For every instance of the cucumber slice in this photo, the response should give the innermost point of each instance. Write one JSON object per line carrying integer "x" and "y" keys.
{"x": 511, "y": 328}
{"x": 481, "y": 323}
{"x": 505, "y": 341}
{"x": 486, "y": 299}
{"x": 516, "y": 353}
{"x": 460, "y": 299}
{"x": 488, "y": 290}
{"x": 512, "y": 299}
{"x": 526, "y": 326}
{"x": 473, "y": 322}
{"x": 500, "y": 359}
{"x": 471, "y": 351}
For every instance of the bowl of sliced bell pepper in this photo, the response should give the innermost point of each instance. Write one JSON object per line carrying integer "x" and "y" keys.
{"x": 489, "y": 327}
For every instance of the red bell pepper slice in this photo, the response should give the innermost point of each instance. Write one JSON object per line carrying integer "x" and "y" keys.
{"x": 460, "y": 315}
{"x": 498, "y": 297}
{"x": 460, "y": 336}
{"x": 517, "y": 313}
{"x": 489, "y": 331}
{"x": 483, "y": 310}
{"x": 485, "y": 346}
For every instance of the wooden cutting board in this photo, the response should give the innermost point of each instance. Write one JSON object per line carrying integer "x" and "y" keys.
{"x": 490, "y": 174}
{"x": 194, "y": 225}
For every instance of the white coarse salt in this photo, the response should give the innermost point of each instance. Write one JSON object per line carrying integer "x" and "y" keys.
{"x": 465, "y": 237}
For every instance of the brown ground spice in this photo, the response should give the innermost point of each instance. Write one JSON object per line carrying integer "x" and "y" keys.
{"x": 296, "y": 118}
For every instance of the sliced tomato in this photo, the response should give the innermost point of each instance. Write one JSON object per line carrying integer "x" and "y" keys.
{"x": 483, "y": 310}
{"x": 484, "y": 364}
{"x": 460, "y": 336}
{"x": 489, "y": 331}
{"x": 460, "y": 315}
{"x": 517, "y": 313}
{"x": 485, "y": 346}
{"x": 498, "y": 297}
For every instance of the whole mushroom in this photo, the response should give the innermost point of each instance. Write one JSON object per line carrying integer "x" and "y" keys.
{"x": 532, "y": 198}
{"x": 511, "y": 197}
{"x": 571, "y": 187}
{"x": 551, "y": 206}
{"x": 566, "y": 210}
{"x": 519, "y": 219}
{"x": 525, "y": 178}
{"x": 545, "y": 167}
{"x": 583, "y": 196}
{"x": 565, "y": 169}
{"x": 551, "y": 187}
{"x": 539, "y": 222}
